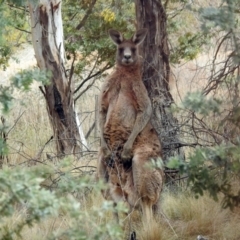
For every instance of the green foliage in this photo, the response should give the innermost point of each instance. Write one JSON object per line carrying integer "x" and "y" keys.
{"x": 22, "y": 188}
{"x": 5, "y": 50}
{"x": 6, "y": 98}
{"x": 11, "y": 18}
{"x": 91, "y": 43}
{"x": 21, "y": 81}
{"x": 5, "y": 53}
{"x": 225, "y": 17}
{"x": 186, "y": 39}
{"x": 189, "y": 45}
{"x": 198, "y": 103}
{"x": 212, "y": 170}
{"x": 21, "y": 185}
{"x": 15, "y": 2}
{"x": 25, "y": 78}
{"x": 3, "y": 147}
{"x": 209, "y": 169}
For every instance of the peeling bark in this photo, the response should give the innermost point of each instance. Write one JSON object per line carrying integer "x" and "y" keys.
{"x": 156, "y": 72}
{"x": 47, "y": 36}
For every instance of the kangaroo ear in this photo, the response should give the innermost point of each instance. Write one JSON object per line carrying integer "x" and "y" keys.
{"x": 116, "y": 36}
{"x": 139, "y": 36}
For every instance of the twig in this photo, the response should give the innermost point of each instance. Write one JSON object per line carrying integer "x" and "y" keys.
{"x": 15, "y": 123}
{"x": 90, "y": 130}
{"x": 19, "y": 8}
{"x": 108, "y": 66}
{"x": 22, "y": 30}
{"x": 72, "y": 70}
{"x": 167, "y": 220}
{"x": 82, "y": 92}
{"x": 42, "y": 91}
{"x": 38, "y": 155}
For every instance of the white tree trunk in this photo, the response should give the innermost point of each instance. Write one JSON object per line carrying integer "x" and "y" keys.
{"x": 48, "y": 43}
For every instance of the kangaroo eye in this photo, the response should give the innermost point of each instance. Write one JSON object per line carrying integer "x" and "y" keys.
{"x": 133, "y": 50}
{"x": 121, "y": 50}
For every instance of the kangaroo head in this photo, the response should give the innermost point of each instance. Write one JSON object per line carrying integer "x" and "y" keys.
{"x": 127, "y": 49}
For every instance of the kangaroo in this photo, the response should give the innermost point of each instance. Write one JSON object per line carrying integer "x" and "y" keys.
{"x": 129, "y": 143}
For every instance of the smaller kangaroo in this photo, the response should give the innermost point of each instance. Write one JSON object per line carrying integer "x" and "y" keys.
{"x": 129, "y": 143}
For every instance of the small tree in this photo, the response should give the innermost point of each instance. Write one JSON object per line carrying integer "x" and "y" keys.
{"x": 214, "y": 110}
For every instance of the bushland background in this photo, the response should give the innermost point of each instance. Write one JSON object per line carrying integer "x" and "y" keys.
{"x": 45, "y": 195}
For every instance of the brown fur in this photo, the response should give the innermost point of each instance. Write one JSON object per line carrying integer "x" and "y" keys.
{"x": 128, "y": 141}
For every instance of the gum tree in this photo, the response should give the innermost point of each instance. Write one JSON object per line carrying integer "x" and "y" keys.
{"x": 151, "y": 14}
{"x": 48, "y": 43}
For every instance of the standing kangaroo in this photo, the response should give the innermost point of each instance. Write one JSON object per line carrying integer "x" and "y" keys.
{"x": 129, "y": 143}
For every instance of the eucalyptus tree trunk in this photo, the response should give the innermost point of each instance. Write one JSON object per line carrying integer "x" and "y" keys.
{"x": 156, "y": 72}
{"x": 47, "y": 37}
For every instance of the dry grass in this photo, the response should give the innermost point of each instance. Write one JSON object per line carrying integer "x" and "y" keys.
{"x": 40, "y": 231}
{"x": 57, "y": 225}
{"x": 182, "y": 218}
{"x": 185, "y": 217}
{"x": 191, "y": 217}
{"x": 30, "y": 128}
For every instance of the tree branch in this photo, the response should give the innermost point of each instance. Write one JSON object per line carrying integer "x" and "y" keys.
{"x": 90, "y": 130}
{"x": 19, "y": 8}
{"x": 92, "y": 76}
{"x": 15, "y": 123}
{"x": 81, "y": 93}
{"x": 22, "y": 30}
{"x": 89, "y": 11}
